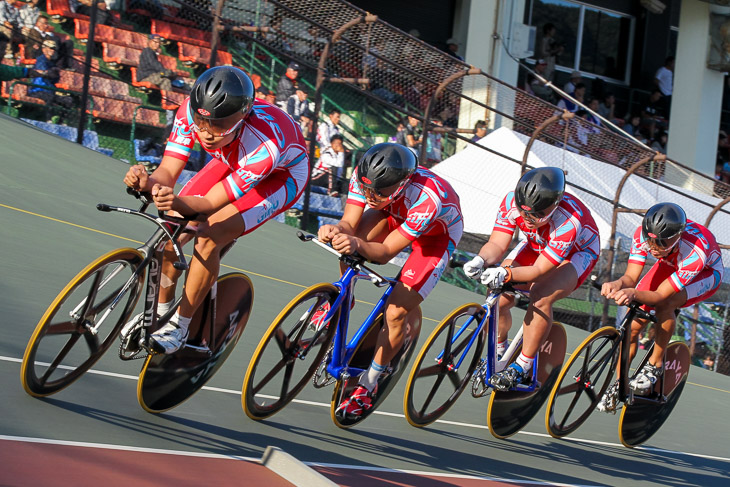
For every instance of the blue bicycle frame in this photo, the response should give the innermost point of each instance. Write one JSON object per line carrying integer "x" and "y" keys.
{"x": 491, "y": 319}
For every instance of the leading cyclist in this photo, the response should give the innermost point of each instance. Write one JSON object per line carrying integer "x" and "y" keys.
{"x": 561, "y": 247}
{"x": 392, "y": 203}
{"x": 688, "y": 270}
{"x": 259, "y": 168}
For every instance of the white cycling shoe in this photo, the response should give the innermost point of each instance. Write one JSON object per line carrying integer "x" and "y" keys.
{"x": 169, "y": 339}
{"x": 609, "y": 402}
{"x": 644, "y": 380}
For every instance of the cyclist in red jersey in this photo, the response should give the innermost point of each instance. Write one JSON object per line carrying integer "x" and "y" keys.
{"x": 561, "y": 248}
{"x": 688, "y": 270}
{"x": 393, "y": 204}
{"x": 258, "y": 170}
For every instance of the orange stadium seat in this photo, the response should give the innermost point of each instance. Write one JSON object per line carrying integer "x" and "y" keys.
{"x": 170, "y": 63}
{"x": 60, "y": 11}
{"x": 105, "y": 87}
{"x": 171, "y": 100}
{"x": 180, "y": 33}
{"x": 141, "y": 85}
{"x": 112, "y": 35}
{"x": 117, "y": 56}
{"x": 190, "y": 54}
{"x": 124, "y": 112}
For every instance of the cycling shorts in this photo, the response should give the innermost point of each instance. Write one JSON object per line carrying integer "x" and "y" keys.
{"x": 582, "y": 261}
{"x": 704, "y": 285}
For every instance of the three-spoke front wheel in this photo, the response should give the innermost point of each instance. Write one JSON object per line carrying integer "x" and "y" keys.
{"x": 444, "y": 365}
{"x": 82, "y": 322}
{"x": 289, "y": 353}
{"x": 582, "y": 381}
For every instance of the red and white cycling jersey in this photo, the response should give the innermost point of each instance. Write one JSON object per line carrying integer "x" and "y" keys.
{"x": 428, "y": 206}
{"x": 571, "y": 229}
{"x": 696, "y": 251}
{"x": 270, "y": 141}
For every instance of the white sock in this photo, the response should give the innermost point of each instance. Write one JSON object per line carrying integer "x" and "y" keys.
{"x": 181, "y": 321}
{"x": 525, "y": 362}
{"x": 163, "y": 308}
{"x": 370, "y": 378}
{"x": 501, "y": 347}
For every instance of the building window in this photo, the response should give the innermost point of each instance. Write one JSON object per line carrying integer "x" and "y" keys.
{"x": 595, "y": 41}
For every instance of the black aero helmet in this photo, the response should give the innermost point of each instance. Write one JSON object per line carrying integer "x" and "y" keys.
{"x": 385, "y": 165}
{"x": 663, "y": 224}
{"x": 221, "y": 92}
{"x": 540, "y": 190}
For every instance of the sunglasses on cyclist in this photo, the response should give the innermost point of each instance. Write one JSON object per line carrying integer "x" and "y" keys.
{"x": 538, "y": 216}
{"x": 384, "y": 194}
{"x": 212, "y": 127}
{"x": 661, "y": 244}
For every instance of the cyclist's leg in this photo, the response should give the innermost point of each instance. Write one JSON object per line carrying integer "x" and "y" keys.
{"x": 374, "y": 226}
{"x": 521, "y": 255}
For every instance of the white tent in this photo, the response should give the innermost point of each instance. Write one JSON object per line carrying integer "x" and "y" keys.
{"x": 483, "y": 178}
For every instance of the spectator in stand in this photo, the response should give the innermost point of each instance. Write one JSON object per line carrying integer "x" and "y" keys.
{"x": 578, "y": 94}
{"x": 9, "y": 26}
{"x": 594, "y": 105}
{"x": 262, "y": 92}
{"x": 480, "y": 131}
{"x": 434, "y": 144}
{"x": 328, "y": 129}
{"x": 332, "y": 160}
{"x": 29, "y": 15}
{"x": 575, "y": 78}
{"x": 549, "y": 50}
{"x": 448, "y": 116}
{"x": 415, "y": 96}
{"x": 312, "y": 42}
{"x": 538, "y": 88}
{"x": 633, "y": 126}
{"x": 664, "y": 79}
{"x": 39, "y": 33}
{"x": 151, "y": 70}
{"x": 287, "y": 84}
{"x": 607, "y": 107}
{"x": 277, "y": 37}
{"x": 297, "y": 103}
{"x": 452, "y": 47}
{"x": 306, "y": 122}
{"x": 84, "y": 7}
{"x": 652, "y": 114}
{"x": 46, "y": 64}
{"x": 660, "y": 142}
{"x": 414, "y": 133}
{"x": 723, "y": 148}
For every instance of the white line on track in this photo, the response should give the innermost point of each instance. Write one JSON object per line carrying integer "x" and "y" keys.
{"x": 398, "y": 415}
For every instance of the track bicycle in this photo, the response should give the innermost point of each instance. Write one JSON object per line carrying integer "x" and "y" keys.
{"x": 452, "y": 357}
{"x": 86, "y": 317}
{"x": 592, "y": 367}
{"x": 304, "y": 343}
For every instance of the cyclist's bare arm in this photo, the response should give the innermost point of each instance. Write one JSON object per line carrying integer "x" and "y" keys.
{"x": 350, "y": 218}
{"x": 377, "y": 252}
{"x": 165, "y": 200}
{"x": 628, "y": 280}
{"x": 495, "y": 248}
{"x": 530, "y": 273}
{"x": 651, "y": 298}
{"x": 166, "y": 174}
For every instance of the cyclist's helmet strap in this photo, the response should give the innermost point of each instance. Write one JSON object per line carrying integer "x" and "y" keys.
{"x": 663, "y": 223}
{"x": 540, "y": 189}
{"x": 385, "y": 165}
{"x": 222, "y": 91}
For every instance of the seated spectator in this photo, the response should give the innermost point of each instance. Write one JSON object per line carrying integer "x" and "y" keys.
{"x": 277, "y": 37}
{"x": 287, "y": 85}
{"x": 39, "y": 33}
{"x": 414, "y": 133}
{"x": 575, "y": 78}
{"x": 9, "y": 26}
{"x": 46, "y": 63}
{"x": 84, "y": 7}
{"x": 151, "y": 70}
{"x": 452, "y": 47}
{"x": 29, "y": 15}
{"x": 652, "y": 115}
{"x": 594, "y": 105}
{"x": 8, "y": 73}
{"x": 312, "y": 42}
{"x": 632, "y": 127}
{"x": 538, "y": 88}
{"x": 607, "y": 107}
{"x": 330, "y": 166}
{"x": 415, "y": 95}
{"x": 480, "y": 131}
{"x": 306, "y": 123}
{"x": 434, "y": 144}
{"x": 578, "y": 94}
{"x": 297, "y": 103}
{"x": 660, "y": 142}
{"x": 328, "y": 129}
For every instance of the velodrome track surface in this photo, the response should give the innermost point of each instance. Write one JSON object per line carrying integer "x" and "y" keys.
{"x": 96, "y": 430}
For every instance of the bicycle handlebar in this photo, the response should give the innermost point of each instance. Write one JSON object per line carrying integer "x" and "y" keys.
{"x": 355, "y": 260}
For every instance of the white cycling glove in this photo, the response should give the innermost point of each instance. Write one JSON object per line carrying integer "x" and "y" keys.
{"x": 473, "y": 268}
{"x": 494, "y": 277}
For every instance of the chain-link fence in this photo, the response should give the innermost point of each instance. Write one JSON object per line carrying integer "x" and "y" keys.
{"x": 388, "y": 85}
